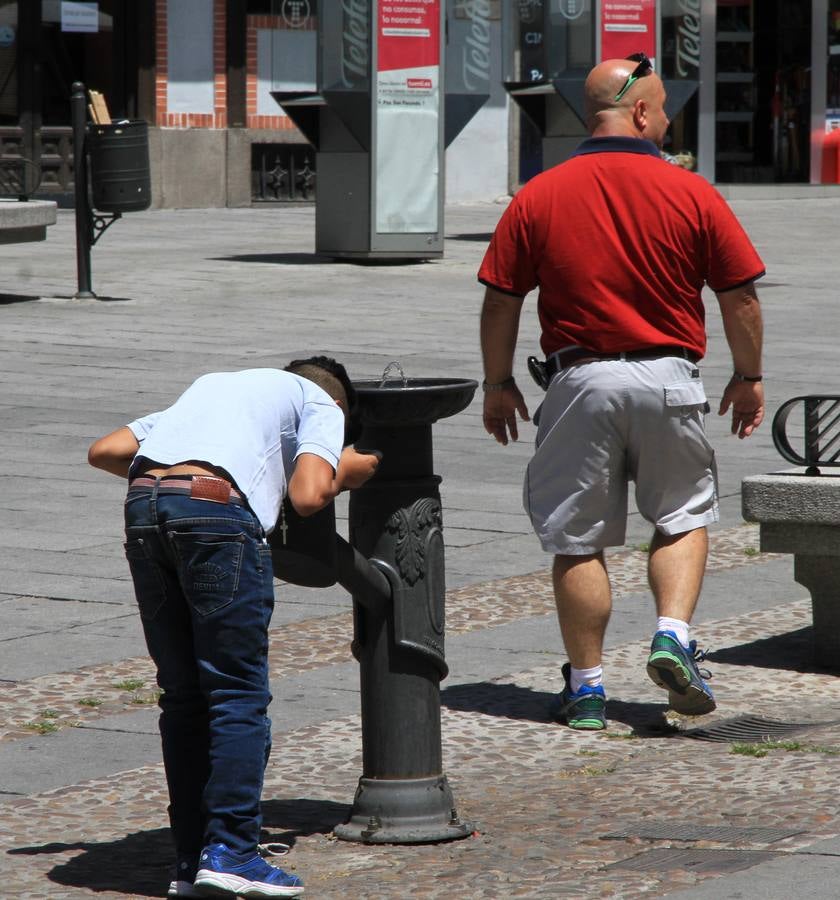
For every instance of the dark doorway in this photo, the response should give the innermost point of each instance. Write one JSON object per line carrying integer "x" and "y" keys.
{"x": 763, "y": 91}
{"x": 784, "y": 89}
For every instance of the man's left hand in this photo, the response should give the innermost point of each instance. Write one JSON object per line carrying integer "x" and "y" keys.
{"x": 500, "y": 409}
{"x": 747, "y": 401}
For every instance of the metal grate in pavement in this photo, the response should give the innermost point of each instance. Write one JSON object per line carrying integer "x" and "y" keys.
{"x": 716, "y": 862}
{"x": 750, "y": 728}
{"x": 670, "y": 831}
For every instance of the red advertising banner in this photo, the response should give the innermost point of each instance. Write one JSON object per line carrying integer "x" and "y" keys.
{"x": 628, "y": 26}
{"x": 408, "y": 34}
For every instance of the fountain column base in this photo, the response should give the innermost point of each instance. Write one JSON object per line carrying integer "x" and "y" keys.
{"x": 403, "y": 811}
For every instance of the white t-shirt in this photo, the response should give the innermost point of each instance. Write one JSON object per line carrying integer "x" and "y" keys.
{"x": 253, "y": 424}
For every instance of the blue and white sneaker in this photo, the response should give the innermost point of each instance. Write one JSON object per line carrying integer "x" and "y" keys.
{"x": 182, "y": 884}
{"x": 583, "y": 710}
{"x": 222, "y": 873}
{"x": 674, "y": 667}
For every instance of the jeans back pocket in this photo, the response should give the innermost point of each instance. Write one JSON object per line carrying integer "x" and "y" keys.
{"x": 208, "y": 567}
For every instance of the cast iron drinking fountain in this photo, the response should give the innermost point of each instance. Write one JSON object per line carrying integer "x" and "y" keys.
{"x": 393, "y": 566}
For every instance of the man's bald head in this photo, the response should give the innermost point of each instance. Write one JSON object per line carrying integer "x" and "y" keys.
{"x": 638, "y": 113}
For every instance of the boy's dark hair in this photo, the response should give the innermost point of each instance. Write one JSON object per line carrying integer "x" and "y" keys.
{"x": 331, "y": 375}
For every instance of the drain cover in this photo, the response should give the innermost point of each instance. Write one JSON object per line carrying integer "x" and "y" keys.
{"x": 669, "y": 831}
{"x": 710, "y": 861}
{"x": 750, "y": 728}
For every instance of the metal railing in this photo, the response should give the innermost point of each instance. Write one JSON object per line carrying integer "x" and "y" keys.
{"x": 820, "y": 436}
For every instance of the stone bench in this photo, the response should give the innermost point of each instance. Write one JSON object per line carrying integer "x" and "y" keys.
{"x": 22, "y": 221}
{"x": 799, "y": 513}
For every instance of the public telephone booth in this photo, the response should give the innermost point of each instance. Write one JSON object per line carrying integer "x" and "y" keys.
{"x": 549, "y": 50}
{"x": 380, "y": 118}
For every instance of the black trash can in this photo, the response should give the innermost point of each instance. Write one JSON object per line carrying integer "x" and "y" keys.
{"x": 119, "y": 166}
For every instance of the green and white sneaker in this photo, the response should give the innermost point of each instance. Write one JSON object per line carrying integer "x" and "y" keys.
{"x": 583, "y": 710}
{"x": 674, "y": 668}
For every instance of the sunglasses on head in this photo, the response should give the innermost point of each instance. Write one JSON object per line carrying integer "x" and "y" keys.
{"x": 644, "y": 67}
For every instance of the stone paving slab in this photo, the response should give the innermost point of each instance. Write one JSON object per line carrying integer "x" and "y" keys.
{"x": 782, "y": 877}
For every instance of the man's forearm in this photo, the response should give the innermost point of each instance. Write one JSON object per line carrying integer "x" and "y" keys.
{"x": 499, "y": 331}
{"x": 743, "y": 326}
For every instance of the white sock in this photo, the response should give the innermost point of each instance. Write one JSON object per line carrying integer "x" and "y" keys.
{"x": 680, "y": 628}
{"x": 592, "y": 677}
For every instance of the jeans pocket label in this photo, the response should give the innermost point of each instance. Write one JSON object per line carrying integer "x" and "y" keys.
{"x": 209, "y": 577}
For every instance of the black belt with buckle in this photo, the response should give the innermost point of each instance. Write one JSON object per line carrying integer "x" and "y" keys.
{"x": 543, "y": 372}
{"x": 562, "y": 359}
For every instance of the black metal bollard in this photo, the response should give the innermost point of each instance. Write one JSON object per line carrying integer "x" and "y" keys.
{"x": 403, "y": 795}
{"x": 84, "y": 213}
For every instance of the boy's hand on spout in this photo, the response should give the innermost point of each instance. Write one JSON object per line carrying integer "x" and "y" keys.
{"x": 356, "y": 467}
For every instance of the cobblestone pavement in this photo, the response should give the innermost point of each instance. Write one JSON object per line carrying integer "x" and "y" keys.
{"x": 54, "y": 701}
{"x": 642, "y": 809}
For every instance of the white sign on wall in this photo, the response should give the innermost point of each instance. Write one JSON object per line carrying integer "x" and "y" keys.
{"x": 189, "y": 39}
{"x": 79, "y": 16}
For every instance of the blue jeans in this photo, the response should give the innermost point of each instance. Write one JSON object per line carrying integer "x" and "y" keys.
{"x": 203, "y": 579}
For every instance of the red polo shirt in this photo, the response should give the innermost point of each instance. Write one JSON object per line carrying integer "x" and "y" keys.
{"x": 619, "y": 243}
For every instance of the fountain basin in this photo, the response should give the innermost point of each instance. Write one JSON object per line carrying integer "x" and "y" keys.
{"x": 412, "y": 401}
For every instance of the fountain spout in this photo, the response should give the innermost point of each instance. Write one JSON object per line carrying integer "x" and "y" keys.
{"x": 386, "y": 372}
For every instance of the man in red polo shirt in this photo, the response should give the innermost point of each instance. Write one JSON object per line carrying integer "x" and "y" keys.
{"x": 620, "y": 244}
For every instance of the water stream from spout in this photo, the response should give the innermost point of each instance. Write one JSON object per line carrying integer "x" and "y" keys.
{"x": 386, "y": 373}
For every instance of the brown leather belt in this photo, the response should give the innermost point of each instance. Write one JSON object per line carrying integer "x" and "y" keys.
{"x": 199, "y": 487}
{"x": 562, "y": 359}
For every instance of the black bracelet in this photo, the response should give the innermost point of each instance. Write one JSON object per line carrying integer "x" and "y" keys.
{"x": 753, "y": 379}
{"x": 499, "y": 385}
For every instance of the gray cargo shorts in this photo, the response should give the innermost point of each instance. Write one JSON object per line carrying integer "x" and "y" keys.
{"x": 606, "y": 423}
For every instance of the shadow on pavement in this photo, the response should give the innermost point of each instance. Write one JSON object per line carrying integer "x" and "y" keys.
{"x": 9, "y": 299}
{"x": 510, "y": 701}
{"x": 316, "y": 259}
{"x": 6, "y": 299}
{"x": 280, "y": 259}
{"x": 288, "y": 820}
{"x": 481, "y": 237}
{"x": 792, "y": 651}
{"x": 139, "y": 863}
{"x": 142, "y": 863}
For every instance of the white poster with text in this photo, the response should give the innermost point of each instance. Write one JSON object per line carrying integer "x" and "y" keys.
{"x": 77, "y": 16}
{"x": 408, "y": 117}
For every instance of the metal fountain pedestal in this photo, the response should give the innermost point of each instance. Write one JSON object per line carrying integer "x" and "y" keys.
{"x": 394, "y": 569}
